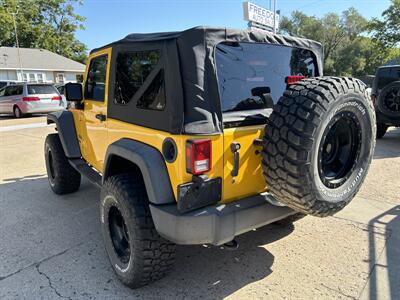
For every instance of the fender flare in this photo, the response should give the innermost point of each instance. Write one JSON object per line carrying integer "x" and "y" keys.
{"x": 65, "y": 124}
{"x": 151, "y": 164}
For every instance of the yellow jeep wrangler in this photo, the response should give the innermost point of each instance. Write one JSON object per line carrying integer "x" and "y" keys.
{"x": 195, "y": 137}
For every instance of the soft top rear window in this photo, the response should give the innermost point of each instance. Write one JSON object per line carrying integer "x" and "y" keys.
{"x": 34, "y": 89}
{"x": 252, "y": 76}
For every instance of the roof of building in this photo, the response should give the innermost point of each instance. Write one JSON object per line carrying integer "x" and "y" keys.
{"x": 37, "y": 59}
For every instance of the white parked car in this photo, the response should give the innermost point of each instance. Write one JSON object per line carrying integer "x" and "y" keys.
{"x": 61, "y": 90}
{"x": 27, "y": 98}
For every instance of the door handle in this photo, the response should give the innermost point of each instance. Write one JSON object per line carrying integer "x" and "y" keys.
{"x": 101, "y": 117}
{"x": 235, "y": 147}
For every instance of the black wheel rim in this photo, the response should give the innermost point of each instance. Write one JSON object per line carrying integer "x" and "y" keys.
{"x": 339, "y": 149}
{"x": 392, "y": 100}
{"x": 119, "y": 235}
{"x": 51, "y": 167}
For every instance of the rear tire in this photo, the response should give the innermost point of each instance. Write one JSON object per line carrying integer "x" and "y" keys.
{"x": 63, "y": 178}
{"x": 381, "y": 130}
{"x": 319, "y": 144}
{"x": 138, "y": 254}
{"x": 17, "y": 112}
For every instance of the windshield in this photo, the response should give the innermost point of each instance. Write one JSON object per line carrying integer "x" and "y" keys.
{"x": 34, "y": 89}
{"x": 253, "y": 75}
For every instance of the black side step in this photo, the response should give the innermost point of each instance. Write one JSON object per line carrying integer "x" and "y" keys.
{"x": 82, "y": 167}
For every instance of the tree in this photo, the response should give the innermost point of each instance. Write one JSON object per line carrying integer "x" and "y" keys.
{"x": 387, "y": 31}
{"x": 331, "y": 30}
{"x": 358, "y": 57}
{"x": 348, "y": 50}
{"x": 47, "y": 24}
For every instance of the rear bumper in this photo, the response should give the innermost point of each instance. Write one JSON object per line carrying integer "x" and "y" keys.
{"x": 217, "y": 224}
{"x": 32, "y": 107}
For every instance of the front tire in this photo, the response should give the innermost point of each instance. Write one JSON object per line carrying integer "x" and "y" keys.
{"x": 138, "y": 254}
{"x": 319, "y": 144}
{"x": 63, "y": 178}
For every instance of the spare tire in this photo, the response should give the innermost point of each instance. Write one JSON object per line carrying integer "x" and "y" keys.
{"x": 389, "y": 99}
{"x": 318, "y": 144}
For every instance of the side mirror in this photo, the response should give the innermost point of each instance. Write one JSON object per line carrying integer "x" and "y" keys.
{"x": 73, "y": 92}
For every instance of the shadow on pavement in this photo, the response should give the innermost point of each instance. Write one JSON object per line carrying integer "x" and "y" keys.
{"x": 18, "y": 179}
{"x": 388, "y": 264}
{"x": 6, "y": 117}
{"x": 59, "y": 230}
{"x": 389, "y": 145}
{"x": 11, "y": 117}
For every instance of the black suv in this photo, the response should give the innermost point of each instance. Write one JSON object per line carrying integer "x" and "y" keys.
{"x": 386, "y": 97}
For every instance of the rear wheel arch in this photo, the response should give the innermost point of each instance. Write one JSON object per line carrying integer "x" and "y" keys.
{"x": 145, "y": 162}
{"x": 119, "y": 165}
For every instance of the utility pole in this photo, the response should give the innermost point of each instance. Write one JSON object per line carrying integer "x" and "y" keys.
{"x": 274, "y": 16}
{"x": 14, "y": 15}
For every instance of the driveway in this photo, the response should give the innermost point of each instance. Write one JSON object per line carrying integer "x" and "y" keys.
{"x": 51, "y": 247}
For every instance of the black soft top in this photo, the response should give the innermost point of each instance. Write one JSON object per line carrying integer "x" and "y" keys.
{"x": 197, "y": 109}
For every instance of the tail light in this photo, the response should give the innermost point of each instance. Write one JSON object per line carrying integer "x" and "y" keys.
{"x": 30, "y": 98}
{"x": 58, "y": 98}
{"x": 293, "y": 79}
{"x": 198, "y": 156}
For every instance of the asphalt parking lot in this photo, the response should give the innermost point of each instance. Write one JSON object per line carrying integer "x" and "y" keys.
{"x": 51, "y": 247}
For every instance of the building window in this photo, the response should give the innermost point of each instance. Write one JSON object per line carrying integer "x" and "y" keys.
{"x": 25, "y": 77}
{"x": 60, "y": 78}
{"x": 32, "y": 77}
{"x": 40, "y": 78}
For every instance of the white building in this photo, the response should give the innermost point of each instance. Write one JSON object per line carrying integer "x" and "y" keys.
{"x": 38, "y": 65}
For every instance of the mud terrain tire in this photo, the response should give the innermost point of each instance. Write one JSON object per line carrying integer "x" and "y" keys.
{"x": 63, "y": 178}
{"x": 138, "y": 254}
{"x": 319, "y": 144}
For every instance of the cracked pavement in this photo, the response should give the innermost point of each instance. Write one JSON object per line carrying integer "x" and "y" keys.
{"x": 51, "y": 246}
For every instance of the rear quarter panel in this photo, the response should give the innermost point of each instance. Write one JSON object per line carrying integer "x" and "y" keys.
{"x": 177, "y": 169}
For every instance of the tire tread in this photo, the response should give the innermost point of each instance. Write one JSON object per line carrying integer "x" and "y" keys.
{"x": 303, "y": 103}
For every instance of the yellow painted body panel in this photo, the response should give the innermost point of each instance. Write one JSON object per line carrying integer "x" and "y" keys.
{"x": 92, "y": 133}
{"x": 249, "y": 180}
{"x": 177, "y": 170}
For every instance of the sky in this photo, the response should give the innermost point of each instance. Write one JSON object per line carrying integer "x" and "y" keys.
{"x": 111, "y": 20}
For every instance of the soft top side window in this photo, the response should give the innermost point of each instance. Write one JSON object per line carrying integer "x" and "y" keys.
{"x": 139, "y": 78}
{"x": 95, "y": 85}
